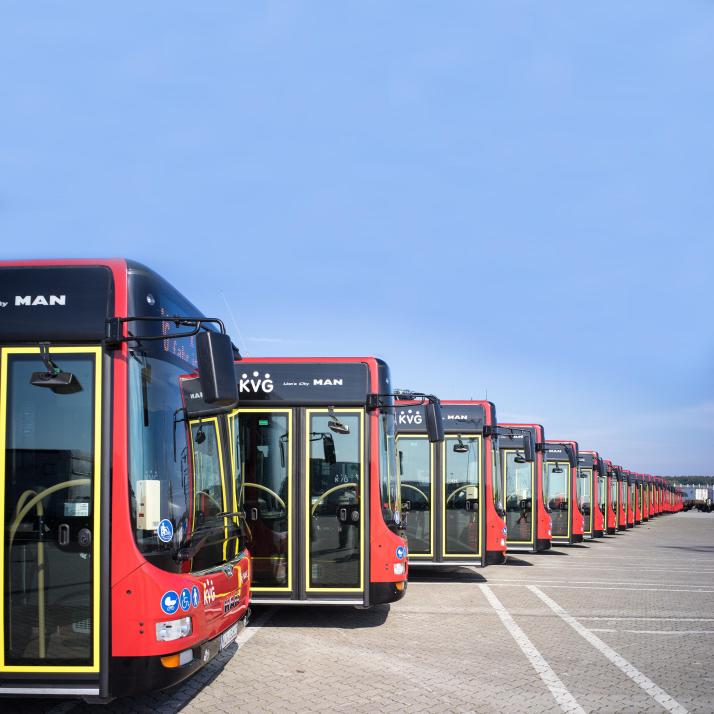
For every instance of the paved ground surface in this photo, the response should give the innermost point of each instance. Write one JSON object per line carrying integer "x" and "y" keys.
{"x": 621, "y": 625}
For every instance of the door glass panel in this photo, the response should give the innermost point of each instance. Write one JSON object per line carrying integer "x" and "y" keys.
{"x": 266, "y": 456}
{"x": 335, "y": 510}
{"x": 584, "y": 490}
{"x": 48, "y": 480}
{"x": 613, "y": 496}
{"x": 415, "y": 459}
{"x": 519, "y": 498}
{"x": 558, "y": 496}
{"x": 209, "y": 536}
{"x": 461, "y": 500}
{"x": 601, "y": 493}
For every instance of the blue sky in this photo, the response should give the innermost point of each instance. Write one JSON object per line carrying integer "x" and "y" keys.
{"x": 502, "y": 197}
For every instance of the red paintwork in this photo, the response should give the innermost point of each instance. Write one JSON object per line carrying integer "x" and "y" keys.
{"x": 383, "y": 543}
{"x": 137, "y": 586}
{"x": 543, "y": 522}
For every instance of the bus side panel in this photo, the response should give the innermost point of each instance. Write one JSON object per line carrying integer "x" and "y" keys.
{"x": 137, "y": 607}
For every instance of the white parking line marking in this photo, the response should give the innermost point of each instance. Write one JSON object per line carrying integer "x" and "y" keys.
{"x": 559, "y": 691}
{"x": 655, "y": 632}
{"x": 497, "y": 581}
{"x": 597, "y": 587}
{"x": 658, "y": 694}
{"x": 658, "y": 619}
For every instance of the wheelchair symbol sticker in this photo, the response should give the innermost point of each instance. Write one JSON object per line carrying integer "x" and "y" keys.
{"x": 165, "y": 531}
{"x": 185, "y": 601}
{"x": 401, "y": 552}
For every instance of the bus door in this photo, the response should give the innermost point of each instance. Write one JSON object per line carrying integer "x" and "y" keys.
{"x": 266, "y": 457}
{"x": 557, "y": 490}
{"x": 585, "y": 490}
{"x": 621, "y": 504}
{"x": 336, "y": 510}
{"x": 462, "y": 490}
{"x": 50, "y": 537}
{"x": 304, "y": 495}
{"x": 416, "y": 460}
{"x": 612, "y": 504}
{"x": 519, "y": 489}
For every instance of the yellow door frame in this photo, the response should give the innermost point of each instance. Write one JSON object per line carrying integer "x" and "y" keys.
{"x": 430, "y": 554}
{"x": 289, "y": 504}
{"x": 6, "y": 352}
{"x": 504, "y": 462}
{"x": 478, "y": 438}
{"x": 364, "y": 505}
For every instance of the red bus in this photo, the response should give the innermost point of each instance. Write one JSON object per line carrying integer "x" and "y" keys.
{"x": 645, "y": 497}
{"x": 315, "y": 446}
{"x": 452, "y": 492}
{"x": 611, "y": 511}
{"x": 594, "y": 488}
{"x": 631, "y": 497}
{"x": 527, "y": 514}
{"x": 639, "y": 511}
{"x": 561, "y": 488}
{"x": 118, "y": 573}
{"x": 621, "y": 479}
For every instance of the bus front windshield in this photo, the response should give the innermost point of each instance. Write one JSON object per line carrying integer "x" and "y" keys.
{"x": 178, "y": 481}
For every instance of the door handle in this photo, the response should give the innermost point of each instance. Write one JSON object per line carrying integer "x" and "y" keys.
{"x": 343, "y": 514}
{"x": 63, "y": 534}
{"x": 253, "y": 514}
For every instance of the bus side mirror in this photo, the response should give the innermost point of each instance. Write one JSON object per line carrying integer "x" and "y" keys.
{"x": 572, "y": 457}
{"x": 215, "y": 368}
{"x": 434, "y": 422}
{"x": 528, "y": 447}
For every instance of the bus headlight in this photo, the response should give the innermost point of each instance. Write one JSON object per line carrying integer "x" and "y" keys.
{"x": 173, "y": 629}
{"x": 399, "y": 568}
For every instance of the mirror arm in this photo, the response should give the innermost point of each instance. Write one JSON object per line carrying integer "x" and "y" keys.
{"x": 114, "y": 335}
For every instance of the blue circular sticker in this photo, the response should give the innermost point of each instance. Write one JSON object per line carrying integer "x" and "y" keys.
{"x": 165, "y": 531}
{"x": 195, "y": 596}
{"x": 185, "y": 599}
{"x": 170, "y": 602}
{"x": 401, "y": 552}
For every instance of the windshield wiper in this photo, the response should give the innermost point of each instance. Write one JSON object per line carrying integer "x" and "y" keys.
{"x": 188, "y": 552}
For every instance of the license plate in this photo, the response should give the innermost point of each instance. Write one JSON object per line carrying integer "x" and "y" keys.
{"x": 229, "y": 635}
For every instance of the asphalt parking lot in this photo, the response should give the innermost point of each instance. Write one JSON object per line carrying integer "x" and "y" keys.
{"x": 624, "y": 624}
